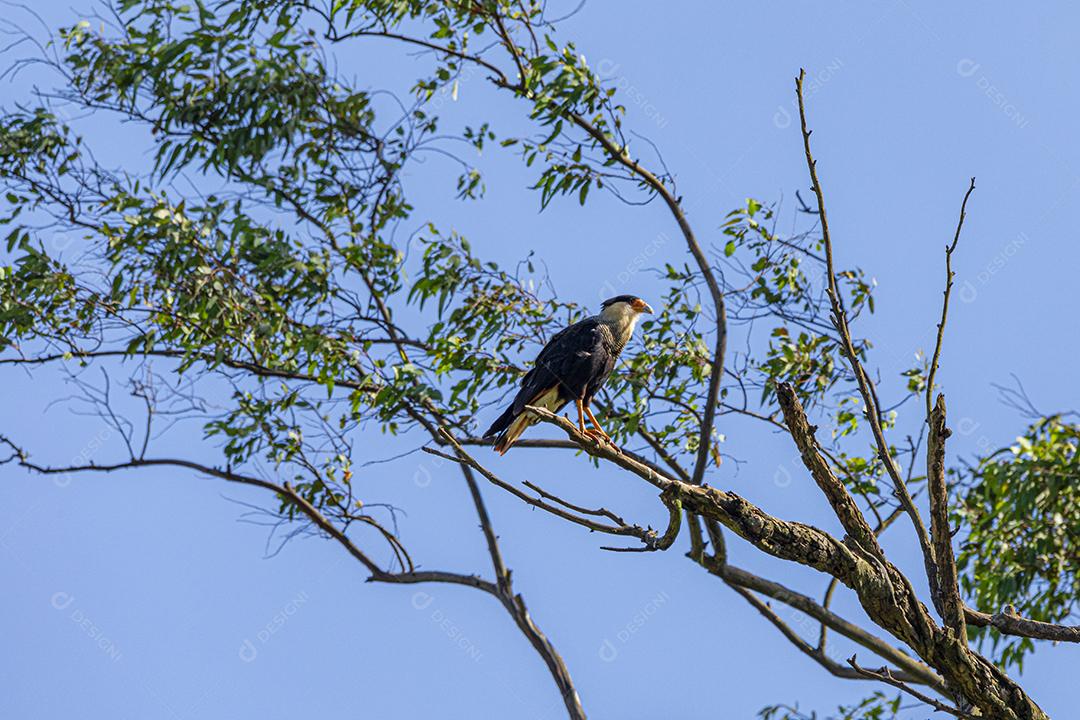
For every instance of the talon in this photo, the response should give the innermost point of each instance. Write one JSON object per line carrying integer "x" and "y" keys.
{"x": 596, "y": 425}
{"x": 602, "y": 437}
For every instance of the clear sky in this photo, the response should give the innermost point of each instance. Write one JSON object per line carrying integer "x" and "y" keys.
{"x": 145, "y": 595}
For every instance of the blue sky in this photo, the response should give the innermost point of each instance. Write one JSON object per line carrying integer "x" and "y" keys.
{"x": 145, "y": 595}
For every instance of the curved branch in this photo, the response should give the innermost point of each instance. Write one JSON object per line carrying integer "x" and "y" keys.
{"x": 617, "y": 154}
{"x": 514, "y": 604}
{"x": 866, "y": 387}
{"x": 674, "y": 205}
{"x": 817, "y": 654}
{"x": 912, "y": 670}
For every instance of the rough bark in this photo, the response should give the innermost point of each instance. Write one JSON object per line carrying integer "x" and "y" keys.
{"x": 952, "y": 607}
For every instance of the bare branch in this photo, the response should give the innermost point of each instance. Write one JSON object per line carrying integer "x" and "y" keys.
{"x": 601, "y": 449}
{"x": 502, "y": 575}
{"x": 1011, "y": 624}
{"x": 885, "y": 675}
{"x": 866, "y": 389}
{"x": 646, "y": 536}
{"x": 841, "y": 501}
{"x": 716, "y": 371}
{"x": 600, "y": 512}
{"x": 949, "y": 276}
{"x": 912, "y": 670}
{"x": 515, "y": 604}
{"x": 952, "y": 607}
{"x": 548, "y": 443}
{"x": 817, "y": 654}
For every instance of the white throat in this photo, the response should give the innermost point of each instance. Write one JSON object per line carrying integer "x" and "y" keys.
{"x": 621, "y": 319}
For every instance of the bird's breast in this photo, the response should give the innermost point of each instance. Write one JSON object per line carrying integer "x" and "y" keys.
{"x": 615, "y": 338}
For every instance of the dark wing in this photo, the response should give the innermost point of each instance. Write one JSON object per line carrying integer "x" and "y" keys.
{"x": 573, "y": 358}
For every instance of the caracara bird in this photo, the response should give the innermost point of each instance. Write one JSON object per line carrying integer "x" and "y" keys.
{"x": 573, "y": 366}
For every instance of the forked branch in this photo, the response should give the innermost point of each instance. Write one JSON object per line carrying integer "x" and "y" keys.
{"x": 862, "y": 379}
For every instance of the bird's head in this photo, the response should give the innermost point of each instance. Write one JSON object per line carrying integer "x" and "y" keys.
{"x": 624, "y": 305}
{"x": 621, "y": 313}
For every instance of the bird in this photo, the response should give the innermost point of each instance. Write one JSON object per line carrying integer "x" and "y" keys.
{"x": 572, "y": 367}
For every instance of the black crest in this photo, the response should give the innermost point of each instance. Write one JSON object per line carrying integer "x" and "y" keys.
{"x": 619, "y": 299}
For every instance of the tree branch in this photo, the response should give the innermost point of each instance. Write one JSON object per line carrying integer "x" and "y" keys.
{"x": 952, "y": 607}
{"x": 851, "y": 518}
{"x": 817, "y": 654}
{"x": 949, "y": 276}
{"x": 911, "y": 669}
{"x": 866, "y": 389}
{"x": 716, "y": 371}
{"x": 1010, "y": 624}
{"x": 515, "y": 604}
{"x": 548, "y": 443}
{"x": 253, "y": 368}
{"x": 646, "y": 536}
{"x": 885, "y": 675}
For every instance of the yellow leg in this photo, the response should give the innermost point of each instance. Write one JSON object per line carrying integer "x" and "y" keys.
{"x": 592, "y": 419}
{"x": 580, "y": 416}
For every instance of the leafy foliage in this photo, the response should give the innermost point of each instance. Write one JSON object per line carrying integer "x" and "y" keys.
{"x": 1021, "y": 554}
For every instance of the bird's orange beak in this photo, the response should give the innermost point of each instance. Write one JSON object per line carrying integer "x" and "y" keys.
{"x": 641, "y": 306}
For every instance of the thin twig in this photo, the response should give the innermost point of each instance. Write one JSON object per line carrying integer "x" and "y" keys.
{"x": 885, "y": 675}
{"x": 949, "y": 276}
